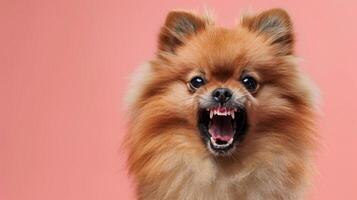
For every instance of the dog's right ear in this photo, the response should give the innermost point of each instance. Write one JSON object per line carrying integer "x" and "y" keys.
{"x": 179, "y": 26}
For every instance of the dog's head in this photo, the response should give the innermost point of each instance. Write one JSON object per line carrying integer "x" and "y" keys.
{"x": 230, "y": 88}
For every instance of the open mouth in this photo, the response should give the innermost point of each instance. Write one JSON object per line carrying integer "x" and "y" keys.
{"x": 222, "y": 128}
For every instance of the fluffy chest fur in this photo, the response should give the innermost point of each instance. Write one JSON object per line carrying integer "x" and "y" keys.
{"x": 186, "y": 177}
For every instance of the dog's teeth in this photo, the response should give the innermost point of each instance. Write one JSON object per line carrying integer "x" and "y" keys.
{"x": 212, "y": 140}
{"x": 230, "y": 141}
{"x": 221, "y": 145}
{"x": 232, "y": 114}
{"x": 211, "y": 114}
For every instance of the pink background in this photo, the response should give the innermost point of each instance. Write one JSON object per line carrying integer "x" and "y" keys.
{"x": 64, "y": 68}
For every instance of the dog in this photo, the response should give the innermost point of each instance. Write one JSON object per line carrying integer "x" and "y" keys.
{"x": 222, "y": 113}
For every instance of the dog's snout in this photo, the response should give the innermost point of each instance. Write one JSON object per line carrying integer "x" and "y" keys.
{"x": 222, "y": 95}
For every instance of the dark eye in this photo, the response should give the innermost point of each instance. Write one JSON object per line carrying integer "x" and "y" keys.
{"x": 197, "y": 82}
{"x": 250, "y": 83}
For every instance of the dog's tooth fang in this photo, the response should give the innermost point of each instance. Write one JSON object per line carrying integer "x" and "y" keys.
{"x": 211, "y": 114}
{"x": 212, "y": 140}
{"x": 232, "y": 114}
{"x": 230, "y": 141}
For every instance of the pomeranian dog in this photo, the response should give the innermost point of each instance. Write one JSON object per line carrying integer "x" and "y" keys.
{"x": 222, "y": 113}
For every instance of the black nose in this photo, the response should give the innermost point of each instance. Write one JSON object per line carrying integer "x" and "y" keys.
{"x": 222, "y": 95}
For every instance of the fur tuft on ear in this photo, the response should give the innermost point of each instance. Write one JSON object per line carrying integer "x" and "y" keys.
{"x": 179, "y": 26}
{"x": 275, "y": 25}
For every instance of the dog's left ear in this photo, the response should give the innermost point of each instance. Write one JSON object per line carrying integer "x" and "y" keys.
{"x": 179, "y": 26}
{"x": 275, "y": 25}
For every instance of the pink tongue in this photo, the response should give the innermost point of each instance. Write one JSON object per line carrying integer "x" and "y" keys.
{"x": 221, "y": 128}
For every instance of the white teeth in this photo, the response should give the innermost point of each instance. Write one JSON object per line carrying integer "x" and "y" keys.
{"x": 222, "y": 113}
{"x": 221, "y": 145}
{"x": 212, "y": 140}
{"x": 230, "y": 141}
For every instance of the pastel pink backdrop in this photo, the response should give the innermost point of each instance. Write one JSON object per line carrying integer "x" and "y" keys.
{"x": 64, "y": 71}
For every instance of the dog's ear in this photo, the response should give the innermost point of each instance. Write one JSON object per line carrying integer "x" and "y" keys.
{"x": 275, "y": 25}
{"x": 179, "y": 26}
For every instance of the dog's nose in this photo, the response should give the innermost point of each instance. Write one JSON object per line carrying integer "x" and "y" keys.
{"x": 222, "y": 95}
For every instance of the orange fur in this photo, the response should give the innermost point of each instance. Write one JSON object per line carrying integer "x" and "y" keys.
{"x": 166, "y": 154}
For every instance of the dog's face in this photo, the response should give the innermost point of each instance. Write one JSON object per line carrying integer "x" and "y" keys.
{"x": 226, "y": 90}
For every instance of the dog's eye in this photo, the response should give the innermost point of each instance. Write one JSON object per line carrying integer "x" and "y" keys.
{"x": 197, "y": 82}
{"x": 250, "y": 83}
